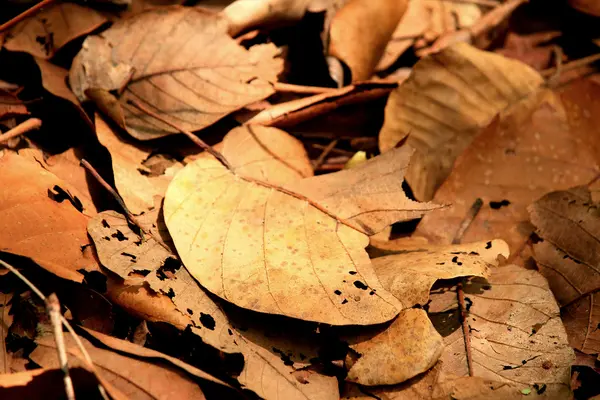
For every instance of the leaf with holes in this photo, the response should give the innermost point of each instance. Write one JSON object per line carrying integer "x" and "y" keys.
{"x": 177, "y": 61}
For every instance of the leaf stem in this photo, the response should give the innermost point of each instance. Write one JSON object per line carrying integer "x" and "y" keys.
{"x": 23, "y": 127}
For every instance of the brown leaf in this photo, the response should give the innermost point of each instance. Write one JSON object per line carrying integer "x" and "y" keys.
{"x": 39, "y": 219}
{"x": 444, "y": 103}
{"x": 569, "y": 224}
{"x": 131, "y": 376}
{"x": 526, "y": 152}
{"x": 178, "y": 61}
{"x": 47, "y": 31}
{"x": 586, "y": 6}
{"x": 5, "y": 321}
{"x": 408, "y": 347}
{"x": 517, "y": 338}
{"x": 533, "y": 49}
{"x": 11, "y": 106}
{"x": 47, "y": 384}
{"x": 360, "y": 31}
{"x": 288, "y": 256}
{"x": 294, "y": 112}
{"x": 132, "y": 178}
{"x": 410, "y": 274}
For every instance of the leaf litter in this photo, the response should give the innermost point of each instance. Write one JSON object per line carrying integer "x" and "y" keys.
{"x": 308, "y": 263}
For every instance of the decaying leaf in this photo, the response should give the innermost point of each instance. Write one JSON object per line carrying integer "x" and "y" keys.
{"x": 43, "y": 34}
{"x": 267, "y": 250}
{"x": 406, "y": 348}
{"x": 293, "y": 112}
{"x": 410, "y": 274}
{"x": 41, "y": 219}
{"x": 517, "y": 340}
{"x": 569, "y": 224}
{"x": 360, "y": 31}
{"x": 178, "y": 61}
{"x": 442, "y": 105}
{"x": 5, "y": 321}
{"x": 132, "y": 178}
{"x": 529, "y": 150}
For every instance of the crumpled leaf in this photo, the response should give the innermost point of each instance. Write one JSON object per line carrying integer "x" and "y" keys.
{"x": 47, "y": 31}
{"x": 517, "y": 338}
{"x": 441, "y": 107}
{"x": 410, "y": 274}
{"x": 569, "y": 224}
{"x": 132, "y": 178}
{"x": 177, "y": 61}
{"x": 360, "y": 31}
{"x": 39, "y": 219}
{"x": 269, "y": 251}
{"x": 531, "y": 149}
{"x": 406, "y": 348}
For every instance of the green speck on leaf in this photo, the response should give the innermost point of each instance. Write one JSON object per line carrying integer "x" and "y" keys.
{"x": 526, "y": 391}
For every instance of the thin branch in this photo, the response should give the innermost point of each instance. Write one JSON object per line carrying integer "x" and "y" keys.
{"x": 486, "y": 3}
{"x": 301, "y": 89}
{"x": 581, "y": 62}
{"x": 113, "y": 192}
{"x": 23, "y": 127}
{"x": 25, "y": 14}
{"x": 471, "y": 214}
{"x": 53, "y": 309}
{"x": 227, "y": 165}
{"x": 319, "y": 162}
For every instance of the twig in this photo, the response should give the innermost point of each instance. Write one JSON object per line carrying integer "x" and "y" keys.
{"x": 487, "y": 3}
{"x": 53, "y": 309}
{"x": 199, "y": 142}
{"x": 319, "y": 162}
{"x": 25, "y": 14}
{"x": 113, "y": 192}
{"x": 64, "y": 321}
{"x": 581, "y": 62}
{"x": 289, "y": 88}
{"x": 471, "y": 214}
{"x": 23, "y": 127}
{"x": 227, "y": 165}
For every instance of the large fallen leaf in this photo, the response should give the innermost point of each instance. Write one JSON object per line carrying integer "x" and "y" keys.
{"x": 265, "y": 249}
{"x": 408, "y": 347}
{"x": 569, "y": 224}
{"x": 517, "y": 339}
{"x": 360, "y": 31}
{"x": 529, "y": 150}
{"x": 410, "y": 274}
{"x": 177, "y": 61}
{"x": 39, "y": 219}
{"x": 442, "y": 105}
{"x": 43, "y": 34}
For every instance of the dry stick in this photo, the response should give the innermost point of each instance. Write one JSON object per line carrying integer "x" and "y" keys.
{"x": 290, "y": 88}
{"x": 113, "y": 192}
{"x": 25, "y": 14}
{"x": 319, "y": 162}
{"x": 487, "y": 3}
{"x": 226, "y": 164}
{"x": 471, "y": 214}
{"x": 64, "y": 321}
{"x": 23, "y": 127}
{"x": 581, "y": 62}
{"x": 53, "y": 309}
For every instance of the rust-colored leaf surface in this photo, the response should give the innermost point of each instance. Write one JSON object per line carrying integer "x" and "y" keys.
{"x": 177, "y": 61}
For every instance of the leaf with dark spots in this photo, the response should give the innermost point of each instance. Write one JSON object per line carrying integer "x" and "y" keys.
{"x": 119, "y": 236}
{"x": 360, "y": 285}
{"x": 59, "y": 195}
{"x": 207, "y": 321}
{"x": 496, "y": 205}
{"x": 284, "y": 357}
{"x": 105, "y": 224}
{"x": 488, "y": 245}
{"x": 338, "y": 292}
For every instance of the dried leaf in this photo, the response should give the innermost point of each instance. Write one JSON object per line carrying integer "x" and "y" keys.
{"x": 243, "y": 15}
{"x": 178, "y": 61}
{"x": 11, "y": 106}
{"x": 47, "y": 384}
{"x": 529, "y": 150}
{"x": 288, "y": 256}
{"x": 360, "y": 31}
{"x": 5, "y": 321}
{"x": 443, "y": 104}
{"x": 586, "y": 6}
{"x": 294, "y": 112}
{"x": 47, "y": 31}
{"x": 40, "y": 219}
{"x": 569, "y": 224}
{"x": 132, "y": 178}
{"x": 410, "y": 274}
{"x": 517, "y": 338}
{"x": 408, "y": 347}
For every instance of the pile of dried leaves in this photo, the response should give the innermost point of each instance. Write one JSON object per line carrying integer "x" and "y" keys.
{"x": 299, "y": 199}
